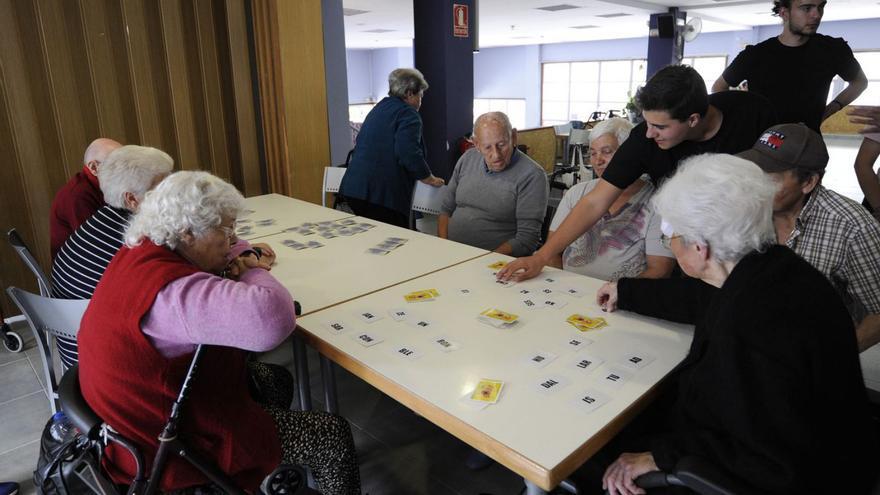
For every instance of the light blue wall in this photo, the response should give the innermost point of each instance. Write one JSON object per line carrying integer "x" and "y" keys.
{"x": 509, "y": 72}
{"x": 515, "y": 72}
{"x": 360, "y": 75}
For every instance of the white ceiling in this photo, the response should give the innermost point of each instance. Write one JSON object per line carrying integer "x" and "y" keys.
{"x": 520, "y": 22}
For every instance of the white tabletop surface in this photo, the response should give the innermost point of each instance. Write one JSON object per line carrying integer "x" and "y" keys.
{"x": 284, "y": 211}
{"x": 343, "y": 270}
{"x": 541, "y": 436}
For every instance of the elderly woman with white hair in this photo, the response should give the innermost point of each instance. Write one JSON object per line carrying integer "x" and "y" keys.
{"x": 625, "y": 242}
{"x": 389, "y": 155}
{"x": 771, "y": 391}
{"x": 177, "y": 283}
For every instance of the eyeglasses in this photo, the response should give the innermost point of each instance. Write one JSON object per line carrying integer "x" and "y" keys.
{"x": 666, "y": 241}
{"x": 228, "y": 231}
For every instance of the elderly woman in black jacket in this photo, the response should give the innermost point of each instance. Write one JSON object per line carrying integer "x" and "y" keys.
{"x": 771, "y": 391}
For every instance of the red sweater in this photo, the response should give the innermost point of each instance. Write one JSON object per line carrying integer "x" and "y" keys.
{"x": 74, "y": 203}
{"x": 131, "y": 386}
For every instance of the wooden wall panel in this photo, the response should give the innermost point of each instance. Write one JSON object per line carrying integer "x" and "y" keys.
{"x": 292, "y": 59}
{"x": 173, "y": 74}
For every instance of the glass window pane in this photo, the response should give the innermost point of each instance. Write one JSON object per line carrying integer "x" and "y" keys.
{"x": 584, "y": 71}
{"x": 871, "y": 96}
{"x": 555, "y": 91}
{"x": 614, "y": 91}
{"x": 584, "y": 91}
{"x": 616, "y": 70}
{"x": 640, "y": 71}
{"x": 870, "y": 62}
{"x": 581, "y": 110}
{"x": 555, "y": 110}
{"x": 556, "y": 73}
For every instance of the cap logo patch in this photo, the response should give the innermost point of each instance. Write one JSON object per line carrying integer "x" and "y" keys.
{"x": 772, "y": 139}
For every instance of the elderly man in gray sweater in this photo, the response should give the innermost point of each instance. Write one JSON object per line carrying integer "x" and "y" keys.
{"x": 497, "y": 196}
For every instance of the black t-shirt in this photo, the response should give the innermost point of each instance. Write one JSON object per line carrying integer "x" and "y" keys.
{"x": 794, "y": 79}
{"x": 744, "y": 117}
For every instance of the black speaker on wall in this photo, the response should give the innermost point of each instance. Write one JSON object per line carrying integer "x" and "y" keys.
{"x": 666, "y": 26}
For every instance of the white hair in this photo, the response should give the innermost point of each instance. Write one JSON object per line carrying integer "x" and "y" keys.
{"x": 185, "y": 202}
{"x": 405, "y": 82}
{"x": 131, "y": 169}
{"x": 721, "y": 201}
{"x": 499, "y": 118}
{"x": 617, "y": 126}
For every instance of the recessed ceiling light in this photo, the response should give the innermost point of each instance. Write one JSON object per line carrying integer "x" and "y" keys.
{"x": 556, "y": 8}
{"x": 379, "y": 31}
{"x": 609, "y": 16}
{"x": 585, "y": 26}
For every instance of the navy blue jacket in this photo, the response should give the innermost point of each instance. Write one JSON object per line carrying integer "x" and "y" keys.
{"x": 388, "y": 158}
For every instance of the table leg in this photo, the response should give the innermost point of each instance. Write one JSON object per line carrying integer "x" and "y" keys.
{"x": 301, "y": 363}
{"x": 328, "y": 378}
{"x": 533, "y": 489}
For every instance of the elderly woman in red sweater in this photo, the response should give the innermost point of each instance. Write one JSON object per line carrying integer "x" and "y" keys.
{"x": 163, "y": 294}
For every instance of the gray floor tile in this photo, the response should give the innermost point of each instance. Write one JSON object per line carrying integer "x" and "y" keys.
{"x": 26, "y": 336}
{"x": 17, "y": 379}
{"x": 23, "y": 420}
{"x": 18, "y": 466}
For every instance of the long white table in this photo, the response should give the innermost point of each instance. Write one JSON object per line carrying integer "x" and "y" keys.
{"x": 341, "y": 269}
{"x": 541, "y": 436}
{"x": 284, "y": 212}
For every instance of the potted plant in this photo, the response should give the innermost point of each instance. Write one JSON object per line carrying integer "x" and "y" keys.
{"x": 632, "y": 111}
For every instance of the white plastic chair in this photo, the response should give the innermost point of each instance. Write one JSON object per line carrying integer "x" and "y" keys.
{"x": 49, "y": 317}
{"x": 332, "y": 180}
{"x": 426, "y": 199}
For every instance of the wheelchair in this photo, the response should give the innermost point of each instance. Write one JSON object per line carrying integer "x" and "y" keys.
{"x": 96, "y": 434}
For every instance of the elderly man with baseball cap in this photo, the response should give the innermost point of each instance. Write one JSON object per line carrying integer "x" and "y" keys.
{"x": 833, "y": 233}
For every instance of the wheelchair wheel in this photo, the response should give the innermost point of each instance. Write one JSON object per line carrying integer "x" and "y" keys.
{"x": 12, "y": 342}
{"x": 285, "y": 480}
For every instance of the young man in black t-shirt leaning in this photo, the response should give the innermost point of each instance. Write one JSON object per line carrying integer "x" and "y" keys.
{"x": 681, "y": 120}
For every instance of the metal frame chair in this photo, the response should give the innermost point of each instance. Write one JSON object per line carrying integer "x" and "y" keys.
{"x": 44, "y": 282}
{"x": 49, "y": 317}
{"x": 426, "y": 199}
{"x": 332, "y": 180}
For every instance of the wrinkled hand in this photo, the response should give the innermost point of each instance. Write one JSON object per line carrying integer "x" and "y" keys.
{"x": 868, "y": 116}
{"x": 267, "y": 258}
{"x": 522, "y": 268}
{"x": 620, "y": 476}
{"x": 606, "y": 297}
{"x": 433, "y": 181}
{"x": 240, "y": 265}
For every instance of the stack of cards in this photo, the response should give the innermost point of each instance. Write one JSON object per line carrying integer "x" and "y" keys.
{"x": 498, "y": 318}
{"x": 421, "y": 295}
{"x": 487, "y": 391}
{"x": 386, "y": 246}
{"x": 585, "y": 323}
{"x": 497, "y": 266}
{"x": 299, "y": 245}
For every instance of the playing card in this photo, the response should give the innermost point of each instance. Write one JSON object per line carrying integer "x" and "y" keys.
{"x": 585, "y": 363}
{"x": 530, "y": 303}
{"x": 406, "y": 352}
{"x": 366, "y": 226}
{"x": 549, "y": 302}
{"x": 498, "y": 265}
{"x": 586, "y": 323}
{"x": 464, "y": 292}
{"x": 505, "y": 283}
{"x": 551, "y": 384}
{"x": 445, "y": 344}
{"x": 397, "y": 314}
{"x": 420, "y": 323}
{"x": 366, "y": 339}
{"x": 336, "y": 326}
{"x": 487, "y": 391}
{"x": 615, "y": 377}
{"x": 589, "y": 400}
{"x": 419, "y": 296}
{"x": 377, "y": 251}
{"x": 265, "y": 223}
{"x": 539, "y": 359}
{"x": 398, "y": 240}
{"x": 637, "y": 360}
{"x": 369, "y": 316}
{"x": 575, "y": 343}
{"x": 574, "y": 292}
{"x": 315, "y": 244}
{"x": 498, "y": 318}
{"x": 328, "y": 234}
{"x": 346, "y": 221}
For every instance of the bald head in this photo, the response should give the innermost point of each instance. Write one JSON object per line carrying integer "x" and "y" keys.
{"x": 495, "y": 139}
{"x": 97, "y": 152}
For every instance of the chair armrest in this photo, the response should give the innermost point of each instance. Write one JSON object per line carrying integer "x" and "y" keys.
{"x": 75, "y": 406}
{"x": 706, "y": 478}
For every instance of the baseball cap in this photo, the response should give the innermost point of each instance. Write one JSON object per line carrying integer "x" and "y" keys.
{"x": 787, "y": 146}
